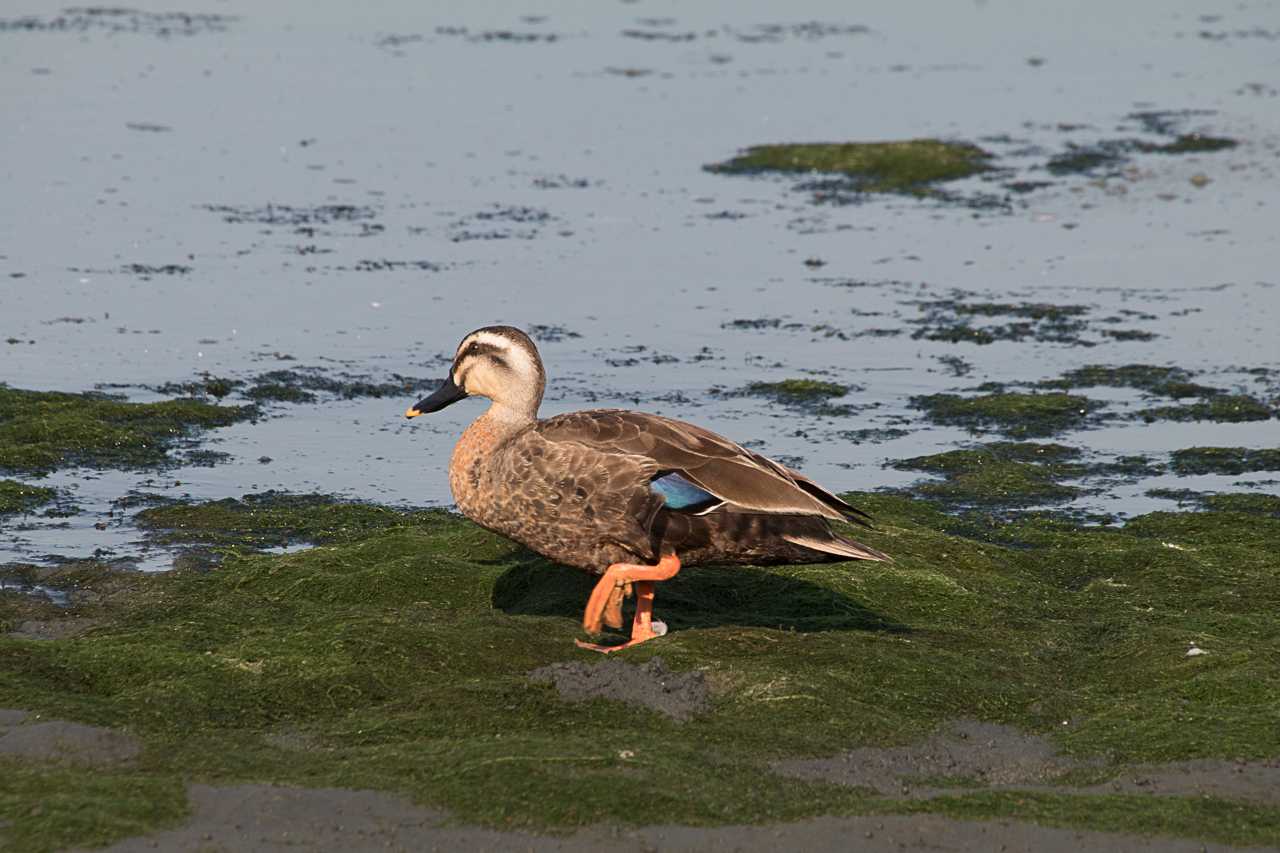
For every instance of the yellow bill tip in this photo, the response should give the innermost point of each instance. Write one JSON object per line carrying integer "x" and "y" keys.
{"x": 411, "y": 412}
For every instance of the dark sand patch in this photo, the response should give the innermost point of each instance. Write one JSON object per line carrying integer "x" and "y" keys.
{"x": 267, "y": 819}
{"x": 986, "y": 753}
{"x": 895, "y": 834}
{"x": 62, "y": 742}
{"x": 52, "y": 629}
{"x": 293, "y": 739}
{"x": 1251, "y": 781}
{"x": 971, "y": 755}
{"x": 12, "y": 716}
{"x": 679, "y": 695}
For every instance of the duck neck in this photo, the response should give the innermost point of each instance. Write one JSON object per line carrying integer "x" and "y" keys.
{"x": 509, "y": 417}
{"x": 485, "y": 435}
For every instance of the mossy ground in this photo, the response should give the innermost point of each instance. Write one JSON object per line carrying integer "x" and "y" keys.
{"x": 43, "y": 430}
{"x": 271, "y": 519}
{"x": 1015, "y": 414}
{"x": 398, "y": 657}
{"x": 20, "y": 497}
{"x": 908, "y": 166}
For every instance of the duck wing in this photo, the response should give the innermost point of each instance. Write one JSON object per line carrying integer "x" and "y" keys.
{"x": 747, "y": 481}
{"x": 848, "y": 510}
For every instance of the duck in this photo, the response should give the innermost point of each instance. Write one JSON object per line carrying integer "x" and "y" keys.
{"x": 630, "y": 497}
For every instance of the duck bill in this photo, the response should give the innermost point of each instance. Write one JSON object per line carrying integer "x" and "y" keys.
{"x": 446, "y": 395}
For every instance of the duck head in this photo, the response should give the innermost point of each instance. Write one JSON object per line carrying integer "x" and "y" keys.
{"x": 498, "y": 362}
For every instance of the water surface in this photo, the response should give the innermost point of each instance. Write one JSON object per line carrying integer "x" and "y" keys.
{"x": 356, "y": 187}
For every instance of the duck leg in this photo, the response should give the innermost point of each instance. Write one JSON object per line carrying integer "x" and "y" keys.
{"x": 615, "y": 578}
{"x": 613, "y": 609}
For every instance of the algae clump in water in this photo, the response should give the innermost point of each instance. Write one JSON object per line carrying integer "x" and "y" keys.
{"x": 1160, "y": 380}
{"x": 1224, "y": 408}
{"x": 44, "y": 430}
{"x": 1224, "y": 460}
{"x": 797, "y": 390}
{"x": 1021, "y": 415}
{"x": 19, "y": 497}
{"x": 908, "y": 166}
{"x": 998, "y": 474}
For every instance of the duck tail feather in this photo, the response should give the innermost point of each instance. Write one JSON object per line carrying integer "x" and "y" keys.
{"x": 839, "y": 546}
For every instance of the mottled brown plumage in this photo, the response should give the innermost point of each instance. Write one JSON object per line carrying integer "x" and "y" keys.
{"x": 579, "y": 488}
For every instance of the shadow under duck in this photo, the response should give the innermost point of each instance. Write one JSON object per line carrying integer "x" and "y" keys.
{"x": 625, "y": 495}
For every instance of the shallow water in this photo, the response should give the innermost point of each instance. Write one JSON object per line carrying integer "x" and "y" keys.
{"x": 356, "y": 188}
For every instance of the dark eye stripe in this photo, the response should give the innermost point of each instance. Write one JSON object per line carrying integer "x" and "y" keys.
{"x": 478, "y": 349}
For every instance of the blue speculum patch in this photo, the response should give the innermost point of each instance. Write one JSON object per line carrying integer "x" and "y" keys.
{"x": 680, "y": 493}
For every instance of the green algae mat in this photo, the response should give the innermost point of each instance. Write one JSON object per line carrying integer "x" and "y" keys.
{"x": 399, "y": 655}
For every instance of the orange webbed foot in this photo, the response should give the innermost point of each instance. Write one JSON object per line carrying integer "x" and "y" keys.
{"x": 608, "y": 593}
